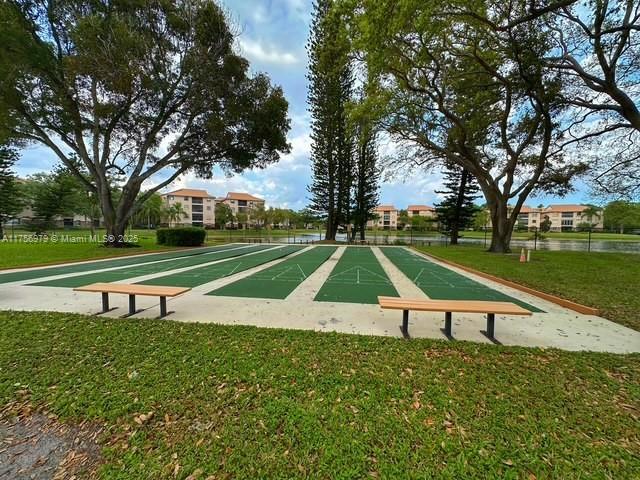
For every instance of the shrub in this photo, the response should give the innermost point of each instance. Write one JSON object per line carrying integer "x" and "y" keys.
{"x": 181, "y": 236}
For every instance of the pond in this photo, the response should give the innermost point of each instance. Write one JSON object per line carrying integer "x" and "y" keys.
{"x": 546, "y": 244}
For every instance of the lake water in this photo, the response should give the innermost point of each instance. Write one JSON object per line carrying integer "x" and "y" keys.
{"x": 555, "y": 244}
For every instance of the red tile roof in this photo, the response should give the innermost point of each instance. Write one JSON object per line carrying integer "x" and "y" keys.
{"x": 566, "y": 208}
{"x": 421, "y": 208}
{"x": 381, "y": 208}
{"x": 189, "y": 192}
{"x": 242, "y": 196}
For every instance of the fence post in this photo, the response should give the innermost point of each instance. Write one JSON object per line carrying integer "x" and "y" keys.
{"x": 589, "y": 243}
{"x": 535, "y": 239}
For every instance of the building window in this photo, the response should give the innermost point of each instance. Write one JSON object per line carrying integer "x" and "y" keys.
{"x": 208, "y": 207}
{"x": 170, "y": 197}
{"x": 416, "y": 212}
{"x": 186, "y": 199}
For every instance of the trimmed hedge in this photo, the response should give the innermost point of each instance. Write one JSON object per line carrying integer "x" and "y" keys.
{"x": 181, "y": 236}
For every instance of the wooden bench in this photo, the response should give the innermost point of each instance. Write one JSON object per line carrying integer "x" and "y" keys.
{"x": 450, "y": 306}
{"x": 132, "y": 291}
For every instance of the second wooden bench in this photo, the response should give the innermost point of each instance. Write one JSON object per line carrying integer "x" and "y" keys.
{"x": 450, "y": 306}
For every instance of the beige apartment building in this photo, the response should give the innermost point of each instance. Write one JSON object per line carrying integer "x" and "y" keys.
{"x": 198, "y": 205}
{"x": 387, "y": 218}
{"x": 240, "y": 202}
{"x": 562, "y": 217}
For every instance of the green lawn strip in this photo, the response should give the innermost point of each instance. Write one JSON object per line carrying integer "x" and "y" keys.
{"x": 607, "y": 281}
{"x": 279, "y": 280}
{"x": 206, "y": 274}
{"x": 441, "y": 283}
{"x": 244, "y": 402}
{"x": 358, "y": 277}
{"x": 91, "y": 266}
{"x": 148, "y": 268}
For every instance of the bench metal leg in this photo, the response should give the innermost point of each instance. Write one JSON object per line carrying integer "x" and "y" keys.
{"x": 447, "y": 324}
{"x": 405, "y": 323}
{"x": 491, "y": 323}
{"x": 105, "y": 302}
{"x": 132, "y": 304}
{"x": 163, "y": 306}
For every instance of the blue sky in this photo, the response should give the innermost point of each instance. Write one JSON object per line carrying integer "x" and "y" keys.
{"x": 273, "y": 34}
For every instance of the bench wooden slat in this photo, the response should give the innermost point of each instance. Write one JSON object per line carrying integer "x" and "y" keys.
{"x": 458, "y": 306}
{"x": 148, "y": 290}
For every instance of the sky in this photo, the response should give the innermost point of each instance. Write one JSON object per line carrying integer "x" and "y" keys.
{"x": 272, "y": 36}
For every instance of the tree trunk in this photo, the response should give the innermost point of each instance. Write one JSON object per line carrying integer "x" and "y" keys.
{"x": 453, "y": 240}
{"x": 1, "y": 231}
{"x": 502, "y": 226}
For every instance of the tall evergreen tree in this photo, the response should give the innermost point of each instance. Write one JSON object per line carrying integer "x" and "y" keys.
{"x": 367, "y": 177}
{"x": 330, "y": 89}
{"x": 10, "y": 203}
{"x": 456, "y": 211}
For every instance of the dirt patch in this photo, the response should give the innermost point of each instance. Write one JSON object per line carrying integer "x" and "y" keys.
{"x": 35, "y": 445}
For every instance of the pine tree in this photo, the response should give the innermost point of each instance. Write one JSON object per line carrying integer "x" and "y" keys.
{"x": 330, "y": 89}
{"x": 10, "y": 202}
{"x": 456, "y": 211}
{"x": 367, "y": 177}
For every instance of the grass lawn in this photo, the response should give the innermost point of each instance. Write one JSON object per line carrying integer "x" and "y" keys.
{"x": 243, "y": 402}
{"x": 608, "y": 281}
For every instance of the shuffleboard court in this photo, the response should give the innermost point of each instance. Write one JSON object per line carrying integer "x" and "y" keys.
{"x": 358, "y": 277}
{"x": 148, "y": 268}
{"x": 201, "y": 275}
{"x": 279, "y": 280}
{"x": 92, "y": 266}
{"x": 441, "y": 283}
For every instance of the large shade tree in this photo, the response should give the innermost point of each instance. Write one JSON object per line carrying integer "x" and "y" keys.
{"x": 596, "y": 50}
{"x": 456, "y": 90}
{"x": 135, "y": 89}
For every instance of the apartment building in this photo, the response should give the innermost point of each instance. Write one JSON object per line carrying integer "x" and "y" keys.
{"x": 198, "y": 205}
{"x": 387, "y": 218}
{"x": 242, "y": 203}
{"x": 421, "y": 211}
{"x": 562, "y": 217}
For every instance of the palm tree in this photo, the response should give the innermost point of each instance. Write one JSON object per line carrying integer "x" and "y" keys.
{"x": 174, "y": 213}
{"x": 151, "y": 209}
{"x": 589, "y": 213}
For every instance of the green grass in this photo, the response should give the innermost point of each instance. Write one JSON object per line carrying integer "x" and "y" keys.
{"x": 243, "y": 402}
{"x": 607, "y": 281}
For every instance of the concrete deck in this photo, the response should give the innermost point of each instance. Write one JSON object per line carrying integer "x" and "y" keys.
{"x": 558, "y": 327}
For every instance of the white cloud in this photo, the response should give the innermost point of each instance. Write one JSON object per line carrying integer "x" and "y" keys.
{"x": 261, "y": 52}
